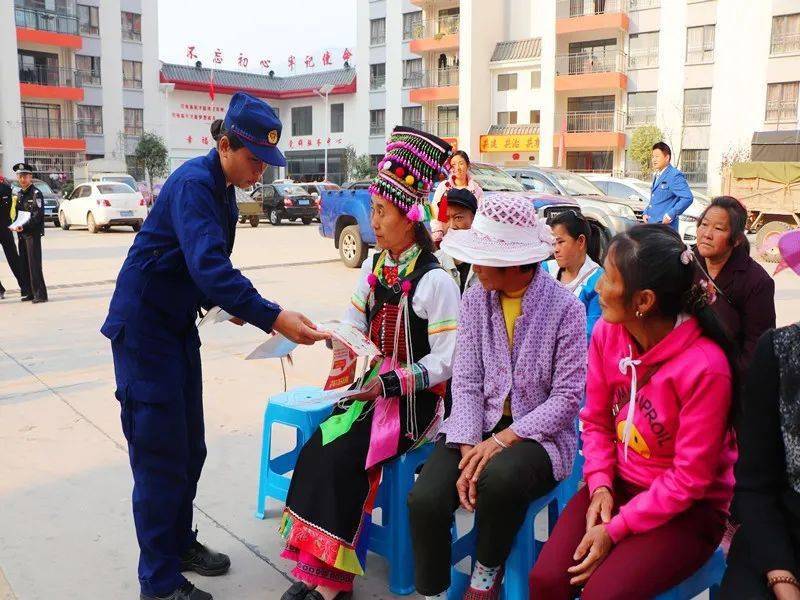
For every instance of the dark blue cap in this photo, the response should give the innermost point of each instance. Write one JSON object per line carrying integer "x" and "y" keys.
{"x": 462, "y": 197}
{"x": 256, "y": 124}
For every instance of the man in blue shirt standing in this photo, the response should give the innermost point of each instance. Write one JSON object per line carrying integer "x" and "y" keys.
{"x": 178, "y": 264}
{"x": 670, "y": 194}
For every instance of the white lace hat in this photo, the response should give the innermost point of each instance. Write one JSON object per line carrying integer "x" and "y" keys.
{"x": 505, "y": 233}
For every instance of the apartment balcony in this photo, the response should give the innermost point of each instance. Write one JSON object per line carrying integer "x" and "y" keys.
{"x": 591, "y": 130}
{"x": 784, "y": 43}
{"x": 446, "y": 129}
{"x": 52, "y": 134}
{"x": 435, "y": 35}
{"x": 52, "y": 28}
{"x": 581, "y": 16}
{"x": 697, "y": 114}
{"x": 781, "y": 114}
{"x": 591, "y": 71}
{"x": 434, "y": 86}
{"x": 52, "y": 83}
{"x": 641, "y": 115}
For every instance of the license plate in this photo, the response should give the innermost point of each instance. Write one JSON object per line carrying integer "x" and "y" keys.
{"x": 126, "y": 213}
{"x": 302, "y": 202}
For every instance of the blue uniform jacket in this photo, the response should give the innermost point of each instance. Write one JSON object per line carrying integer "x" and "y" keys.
{"x": 180, "y": 260}
{"x": 670, "y": 195}
{"x": 585, "y": 292}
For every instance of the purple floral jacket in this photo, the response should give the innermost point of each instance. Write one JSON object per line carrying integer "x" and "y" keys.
{"x": 545, "y": 373}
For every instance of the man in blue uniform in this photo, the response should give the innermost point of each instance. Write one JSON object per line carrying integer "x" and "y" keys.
{"x": 669, "y": 193}
{"x": 178, "y": 263}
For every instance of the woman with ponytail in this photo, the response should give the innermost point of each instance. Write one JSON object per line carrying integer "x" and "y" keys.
{"x": 657, "y": 440}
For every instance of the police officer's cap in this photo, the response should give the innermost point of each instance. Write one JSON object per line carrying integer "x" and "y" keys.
{"x": 22, "y": 168}
{"x": 256, "y": 124}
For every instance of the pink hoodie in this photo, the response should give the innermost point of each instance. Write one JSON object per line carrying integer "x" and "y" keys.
{"x": 681, "y": 447}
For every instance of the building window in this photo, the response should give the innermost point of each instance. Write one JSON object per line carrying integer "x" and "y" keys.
{"x": 377, "y": 76}
{"x": 697, "y": 106}
{"x": 700, "y": 45}
{"x": 412, "y": 23}
{"x": 131, "y": 26}
{"x": 694, "y": 164}
{"x": 134, "y": 121}
{"x": 782, "y": 102}
{"x": 88, "y": 68}
{"x": 785, "y": 34}
{"x": 506, "y": 81}
{"x": 90, "y": 120}
{"x": 641, "y": 109}
{"x": 377, "y": 122}
{"x": 536, "y": 79}
{"x": 301, "y": 120}
{"x": 132, "y": 74}
{"x": 447, "y": 125}
{"x": 89, "y": 19}
{"x": 507, "y": 118}
{"x": 643, "y": 50}
{"x": 447, "y": 21}
{"x": 337, "y": 118}
{"x": 412, "y": 72}
{"x": 412, "y": 116}
{"x": 42, "y": 121}
{"x": 535, "y": 117}
{"x": 377, "y": 32}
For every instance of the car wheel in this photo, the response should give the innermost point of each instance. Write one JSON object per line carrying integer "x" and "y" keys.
{"x": 307, "y": 221}
{"x": 137, "y": 226}
{"x": 352, "y": 248}
{"x": 254, "y": 221}
{"x": 62, "y": 219}
{"x": 767, "y": 240}
{"x": 274, "y": 217}
{"x": 91, "y": 224}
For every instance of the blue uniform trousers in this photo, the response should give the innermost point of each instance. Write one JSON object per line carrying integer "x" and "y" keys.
{"x": 162, "y": 418}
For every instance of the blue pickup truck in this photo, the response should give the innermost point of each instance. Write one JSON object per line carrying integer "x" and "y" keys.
{"x": 345, "y": 214}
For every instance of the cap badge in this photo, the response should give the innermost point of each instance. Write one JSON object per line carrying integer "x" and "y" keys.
{"x": 272, "y": 137}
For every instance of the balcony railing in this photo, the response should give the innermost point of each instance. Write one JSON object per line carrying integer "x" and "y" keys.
{"x": 570, "y": 9}
{"x": 785, "y": 43}
{"x": 697, "y": 114}
{"x": 641, "y": 115}
{"x": 643, "y": 4}
{"x": 90, "y": 128}
{"x": 696, "y": 177}
{"x": 642, "y": 58}
{"x": 56, "y": 76}
{"x": 440, "y": 127}
{"x": 438, "y": 78}
{"x": 781, "y": 111}
{"x": 131, "y": 35}
{"x": 594, "y": 121}
{"x": 46, "y": 20}
{"x": 614, "y": 61}
{"x": 49, "y": 128}
{"x": 377, "y": 82}
{"x": 434, "y": 28}
{"x": 377, "y": 128}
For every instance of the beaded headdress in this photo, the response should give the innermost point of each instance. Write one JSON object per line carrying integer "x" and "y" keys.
{"x": 414, "y": 162}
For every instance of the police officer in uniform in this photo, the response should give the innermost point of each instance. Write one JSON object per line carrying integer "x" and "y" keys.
{"x": 178, "y": 263}
{"x": 8, "y": 213}
{"x": 30, "y": 199}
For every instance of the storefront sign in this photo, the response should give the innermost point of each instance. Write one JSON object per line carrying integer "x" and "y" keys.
{"x": 510, "y": 143}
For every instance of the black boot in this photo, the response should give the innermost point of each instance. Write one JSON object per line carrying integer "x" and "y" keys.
{"x": 186, "y": 592}
{"x": 205, "y": 562}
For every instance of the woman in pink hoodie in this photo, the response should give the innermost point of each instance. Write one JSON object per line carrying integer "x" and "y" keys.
{"x": 657, "y": 440}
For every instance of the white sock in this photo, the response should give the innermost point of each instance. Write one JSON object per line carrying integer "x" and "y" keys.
{"x": 442, "y": 596}
{"x": 483, "y": 577}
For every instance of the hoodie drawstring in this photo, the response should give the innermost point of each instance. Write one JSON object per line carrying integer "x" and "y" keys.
{"x": 624, "y": 364}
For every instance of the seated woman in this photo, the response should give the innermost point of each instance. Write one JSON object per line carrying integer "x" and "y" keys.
{"x": 746, "y": 293}
{"x": 575, "y": 263}
{"x": 657, "y": 443}
{"x": 408, "y": 306}
{"x": 518, "y": 378}
{"x": 763, "y": 560}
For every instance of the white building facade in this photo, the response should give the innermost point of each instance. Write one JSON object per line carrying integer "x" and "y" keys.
{"x": 567, "y": 82}
{"x": 77, "y": 80}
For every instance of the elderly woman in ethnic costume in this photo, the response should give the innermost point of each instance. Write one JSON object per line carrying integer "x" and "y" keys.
{"x": 518, "y": 378}
{"x": 408, "y": 306}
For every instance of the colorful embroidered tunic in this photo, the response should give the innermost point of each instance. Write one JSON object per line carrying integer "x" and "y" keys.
{"x": 409, "y": 309}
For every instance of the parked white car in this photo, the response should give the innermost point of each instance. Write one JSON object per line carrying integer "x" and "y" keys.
{"x": 100, "y": 205}
{"x": 628, "y": 187}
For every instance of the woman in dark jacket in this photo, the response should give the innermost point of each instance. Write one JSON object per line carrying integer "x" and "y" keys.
{"x": 746, "y": 293}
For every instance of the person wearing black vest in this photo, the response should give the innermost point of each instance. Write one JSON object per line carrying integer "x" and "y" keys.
{"x": 407, "y": 305}
{"x": 30, "y": 234}
{"x": 8, "y": 212}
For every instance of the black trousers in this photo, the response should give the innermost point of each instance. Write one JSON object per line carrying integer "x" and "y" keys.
{"x": 30, "y": 258}
{"x": 511, "y": 480}
{"x": 742, "y": 580}
{"x": 12, "y": 258}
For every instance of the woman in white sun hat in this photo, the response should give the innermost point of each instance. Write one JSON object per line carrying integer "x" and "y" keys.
{"x": 518, "y": 378}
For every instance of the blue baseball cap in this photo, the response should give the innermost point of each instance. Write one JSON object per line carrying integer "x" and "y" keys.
{"x": 256, "y": 124}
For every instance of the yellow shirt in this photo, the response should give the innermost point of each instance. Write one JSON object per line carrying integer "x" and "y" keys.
{"x": 511, "y": 303}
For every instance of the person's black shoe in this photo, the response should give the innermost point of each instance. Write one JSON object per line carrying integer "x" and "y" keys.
{"x": 298, "y": 591}
{"x": 26, "y": 298}
{"x": 39, "y": 300}
{"x": 186, "y": 592}
{"x": 205, "y": 562}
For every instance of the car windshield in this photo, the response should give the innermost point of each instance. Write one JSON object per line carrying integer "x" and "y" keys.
{"x": 129, "y": 181}
{"x": 575, "y": 185}
{"x": 114, "y": 188}
{"x": 641, "y": 187}
{"x": 492, "y": 179}
{"x": 287, "y": 189}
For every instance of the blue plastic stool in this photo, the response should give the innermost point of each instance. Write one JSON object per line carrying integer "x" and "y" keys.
{"x": 392, "y": 538}
{"x": 708, "y": 577}
{"x": 297, "y": 409}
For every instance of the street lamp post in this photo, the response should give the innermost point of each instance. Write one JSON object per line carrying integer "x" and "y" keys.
{"x": 323, "y": 92}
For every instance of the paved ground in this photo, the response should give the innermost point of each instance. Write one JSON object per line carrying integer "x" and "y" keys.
{"x": 65, "y": 524}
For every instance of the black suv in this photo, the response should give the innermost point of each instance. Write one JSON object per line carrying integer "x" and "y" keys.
{"x": 287, "y": 201}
